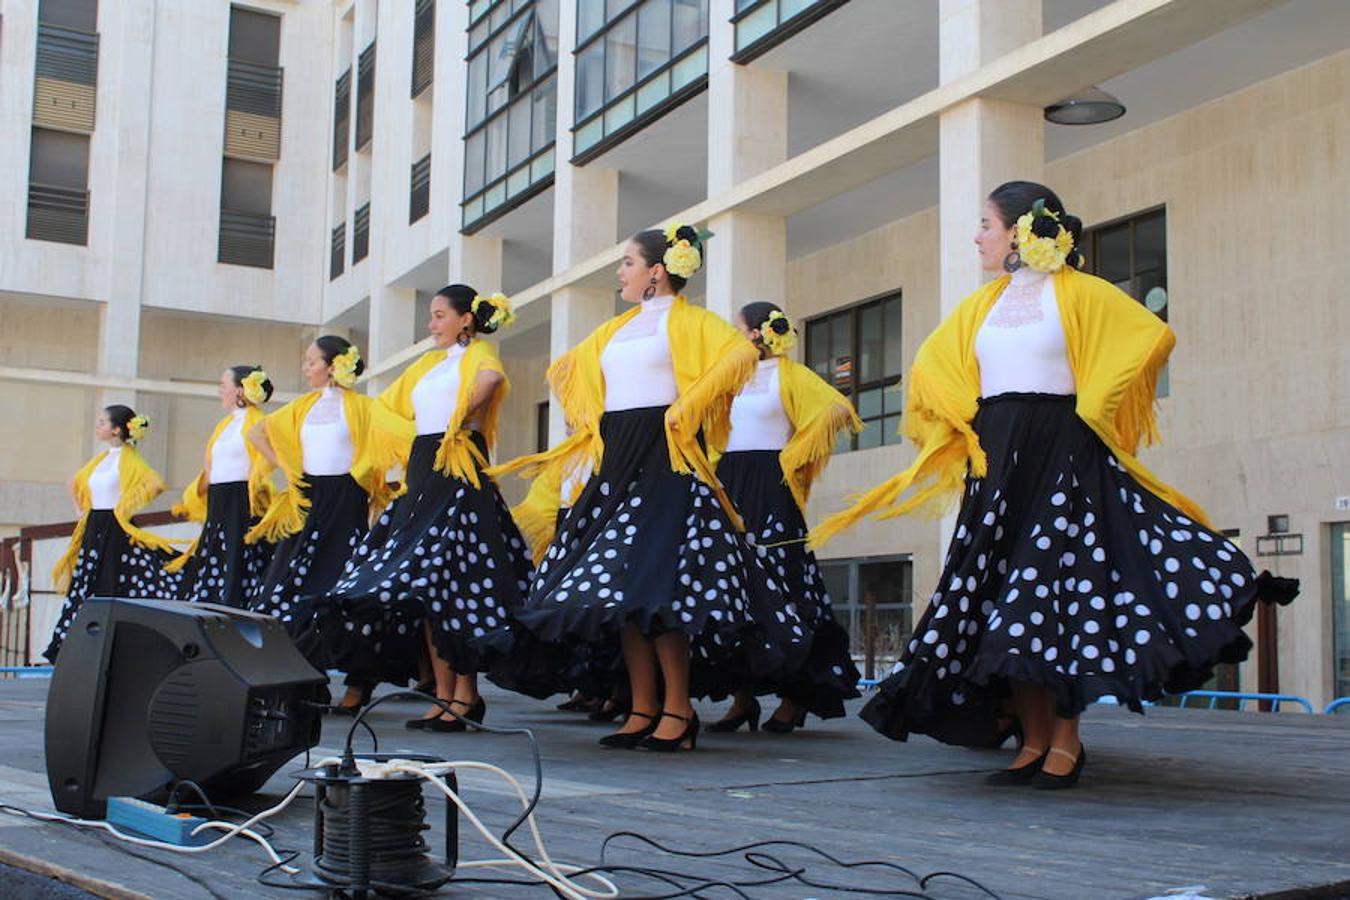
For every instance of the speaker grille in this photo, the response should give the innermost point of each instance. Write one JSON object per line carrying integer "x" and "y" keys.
{"x": 175, "y": 717}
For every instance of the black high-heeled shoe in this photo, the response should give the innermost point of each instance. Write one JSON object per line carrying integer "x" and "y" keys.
{"x": 1014, "y": 729}
{"x": 343, "y": 709}
{"x": 1020, "y": 775}
{"x": 1048, "y": 781}
{"x": 474, "y": 713}
{"x": 577, "y": 703}
{"x": 670, "y": 745}
{"x": 607, "y": 711}
{"x": 621, "y": 740}
{"x": 750, "y": 715}
{"x": 785, "y": 726}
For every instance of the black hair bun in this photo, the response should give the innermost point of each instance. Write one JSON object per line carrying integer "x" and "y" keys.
{"x": 687, "y": 233}
{"x": 1044, "y": 226}
{"x": 780, "y": 326}
{"x": 482, "y": 318}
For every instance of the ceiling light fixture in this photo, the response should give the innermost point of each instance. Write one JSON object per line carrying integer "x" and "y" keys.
{"x": 1091, "y": 106}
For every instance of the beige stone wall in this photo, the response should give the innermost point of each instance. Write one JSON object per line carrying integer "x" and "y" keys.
{"x": 517, "y": 433}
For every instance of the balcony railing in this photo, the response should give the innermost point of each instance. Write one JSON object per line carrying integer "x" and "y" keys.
{"x": 419, "y": 198}
{"x": 253, "y": 111}
{"x": 762, "y": 25}
{"x": 58, "y": 214}
{"x": 246, "y": 239}
{"x": 337, "y": 256}
{"x": 342, "y": 118}
{"x": 424, "y": 46}
{"x": 66, "y": 77}
{"x": 361, "y": 234}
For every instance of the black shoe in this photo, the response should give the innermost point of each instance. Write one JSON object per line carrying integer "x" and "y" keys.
{"x": 442, "y": 725}
{"x": 1047, "y": 782}
{"x": 621, "y": 740}
{"x": 342, "y": 709}
{"x": 750, "y": 715}
{"x": 577, "y": 703}
{"x": 423, "y": 723}
{"x": 670, "y": 745}
{"x": 1020, "y": 775}
{"x": 607, "y": 711}
{"x": 785, "y": 726}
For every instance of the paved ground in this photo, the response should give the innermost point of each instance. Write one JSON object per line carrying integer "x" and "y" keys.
{"x": 1226, "y": 804}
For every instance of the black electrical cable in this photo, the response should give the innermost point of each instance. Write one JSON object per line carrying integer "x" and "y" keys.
{"x": 373, "y": 832}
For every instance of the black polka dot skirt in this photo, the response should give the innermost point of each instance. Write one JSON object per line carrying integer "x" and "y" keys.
{"x": 110, "y": 564}
{"x": 224, "y": 569}
{"x": 1063, "y": 571}
{"x": 446, "y": 554}
{"x": 827, "y": 677}
{"x": 308, "y": 563}
{"x": 651, "y": 547}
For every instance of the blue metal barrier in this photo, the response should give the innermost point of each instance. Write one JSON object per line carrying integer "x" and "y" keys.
{"x": 27, "y": 671}
{"x": 1335, "y": 705}
{"x": 1244, "y": 696}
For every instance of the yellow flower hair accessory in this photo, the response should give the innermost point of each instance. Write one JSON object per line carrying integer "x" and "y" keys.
{"x": 255, "y": 391}
{"x": 1043, "y": 243}
{"x": 137, "y": 426}
{"x": 502, "y": 312}
{"x": 683, "y": 259}
{"x": 344, "y": 366}
{"x": 777, "y": 333}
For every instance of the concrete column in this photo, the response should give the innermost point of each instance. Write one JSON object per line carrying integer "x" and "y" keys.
{"x": 747, "y": 260}
{"x": 983, "y": 142}
{"x": 576, "y": 313}
{"x": 475, "y": 260}
{"x": 747, "y": 134}
{"x": 393, "y": 316}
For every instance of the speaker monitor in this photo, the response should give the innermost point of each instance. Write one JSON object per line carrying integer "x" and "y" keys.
{"x": 149, "y": 692}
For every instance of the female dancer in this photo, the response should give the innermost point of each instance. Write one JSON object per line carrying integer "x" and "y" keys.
{"x": 649, "y": 554}
{"x": 1074, "y": 572}
{"x": 108, "y": 556}
{"x": 228, "y": 497}
{"x": 784, "y": 424}
{"x": 445, "y": 564}
{"x": 321, "y": 441}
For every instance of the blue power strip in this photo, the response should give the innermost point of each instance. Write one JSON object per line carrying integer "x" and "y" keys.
{"x": 151, "y": 821}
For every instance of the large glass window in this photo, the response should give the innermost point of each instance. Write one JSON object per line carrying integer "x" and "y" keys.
{"x": 512, "y": 108}
{"x": 1340, "y": 605}
{"x": 873, "y": 599}
{"x": 1132, "y": 255}
{"x": 761, "y": 24}
{"x": 858, "y": 350}
{"x": 636, "y": 59}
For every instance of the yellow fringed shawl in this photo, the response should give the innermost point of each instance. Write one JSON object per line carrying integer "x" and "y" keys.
{"x": 1116, "y": 350}
{"x": 818, "y": 413}
{"x": 286, "y": 514}
{"x": 393, "y": 430}
{"x": 192, "y": 505}
{"x": 712, "y": 361}
{"x": 139, "y": 485}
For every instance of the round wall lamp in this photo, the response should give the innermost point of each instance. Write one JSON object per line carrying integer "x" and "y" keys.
{"x": 1091, "y": 106}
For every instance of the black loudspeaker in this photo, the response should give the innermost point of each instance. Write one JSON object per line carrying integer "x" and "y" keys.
{"x": 150, "y": 692}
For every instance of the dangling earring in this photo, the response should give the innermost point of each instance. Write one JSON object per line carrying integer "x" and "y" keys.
{"x": 650, "y": 292}
{"x": 1013, "y": 261}
{"x": 463, "y": 338}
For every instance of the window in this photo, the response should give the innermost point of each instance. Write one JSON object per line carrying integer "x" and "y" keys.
{"x": 247, "y": 226}
{"x": 512, "y": 105}
{"x": 763, "y": 24}
{"x": 859, "y": 351}
{"x": 66, "y": 68}
{"x": 253, "y": 87}
{"x": 1132, "y": 255}
{"x": 81, "y": 15}
{"x": 342, "y": 118}
{"x": 337, "y": 255}
{"x": 365, "y": 96}
{"x": 635, "y": 61}
{"x": 873, "y": 600}
{"x": 419, "y": 199}
{"x": 361, "y": 233}
{"x": 424, "y": 46}
{"x": 58, "y": 192}
{"x": 1340, "y": 605}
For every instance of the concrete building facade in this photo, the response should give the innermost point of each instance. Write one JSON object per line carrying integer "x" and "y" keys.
{"x": 838, "y": 149}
